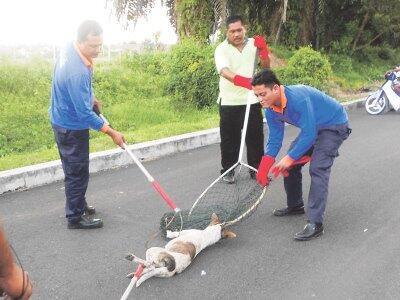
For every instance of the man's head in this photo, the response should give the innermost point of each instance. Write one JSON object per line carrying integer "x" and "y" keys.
{"x": 90, "y": 38}
{"x": 267, "y": 88}
{"x": 235, "y": 30}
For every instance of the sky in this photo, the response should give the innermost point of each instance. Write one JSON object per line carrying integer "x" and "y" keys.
{"x": 54, "y": 22}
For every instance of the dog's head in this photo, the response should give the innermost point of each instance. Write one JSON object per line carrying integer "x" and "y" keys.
{"x": 167, "y": 260}
{"x": 225, "y": 233}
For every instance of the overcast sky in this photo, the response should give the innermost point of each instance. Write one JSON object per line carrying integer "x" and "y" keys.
{"x": 54, "y": 22}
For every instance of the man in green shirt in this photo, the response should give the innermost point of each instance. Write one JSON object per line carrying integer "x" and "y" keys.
{"x": 235, "y": 60}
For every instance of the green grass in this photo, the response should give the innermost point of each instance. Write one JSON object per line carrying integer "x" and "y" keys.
{"x": 133, "y": 100}
{"x": 134, "y": 94}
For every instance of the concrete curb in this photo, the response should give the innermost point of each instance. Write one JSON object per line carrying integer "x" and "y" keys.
{"x": 45, "y": 173}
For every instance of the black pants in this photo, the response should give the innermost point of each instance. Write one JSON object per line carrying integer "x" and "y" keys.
{"x": 73, "y": 147}
{"x": 231, "y": 123}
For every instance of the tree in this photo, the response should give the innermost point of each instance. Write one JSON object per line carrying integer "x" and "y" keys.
{"x": 353, "y": 24}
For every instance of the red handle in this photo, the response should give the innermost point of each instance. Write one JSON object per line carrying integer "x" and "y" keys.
{"x": 139, "y": 271}
{"x": 165, "y": 196}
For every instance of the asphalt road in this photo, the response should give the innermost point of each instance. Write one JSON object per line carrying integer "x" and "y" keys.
{"x": 357, "y": 257}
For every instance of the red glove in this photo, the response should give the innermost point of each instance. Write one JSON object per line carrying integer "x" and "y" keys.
{"x": 301, "y": 161}
{"x": 262, "y": 46}
{"x": 242, "y": 81}
{"x": 263, "y": 169}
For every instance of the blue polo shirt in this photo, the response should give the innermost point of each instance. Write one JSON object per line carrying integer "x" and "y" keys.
{"x": 308, "y": 109}
{"x": 71, "y": 93}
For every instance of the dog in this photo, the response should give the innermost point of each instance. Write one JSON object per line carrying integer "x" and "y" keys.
{"x": 179, "y": 252}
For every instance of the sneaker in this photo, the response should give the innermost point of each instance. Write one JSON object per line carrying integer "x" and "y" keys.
{"x": 229, "y": 177}
{"x": 85, "y": 223}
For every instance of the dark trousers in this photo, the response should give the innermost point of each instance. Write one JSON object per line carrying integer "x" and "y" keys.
{"x": 323, "y": 153}
{"x": 73, "y": 147}
{"x": 231, "y": 124}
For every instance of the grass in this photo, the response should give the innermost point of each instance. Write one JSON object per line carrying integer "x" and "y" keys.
{"x": 135, "y": 100}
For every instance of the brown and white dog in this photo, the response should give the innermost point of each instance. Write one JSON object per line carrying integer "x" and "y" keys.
{"x": 178, "y": 253}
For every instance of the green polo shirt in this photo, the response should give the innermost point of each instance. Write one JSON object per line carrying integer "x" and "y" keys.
{"x": 240, "y": 63}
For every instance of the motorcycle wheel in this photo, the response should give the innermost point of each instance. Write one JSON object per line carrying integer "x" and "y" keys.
{"x": 376, "y": 103}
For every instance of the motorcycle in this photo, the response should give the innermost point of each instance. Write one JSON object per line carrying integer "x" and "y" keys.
{"x": 386, "y": 97}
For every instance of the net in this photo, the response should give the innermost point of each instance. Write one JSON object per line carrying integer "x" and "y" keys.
{"x": 232, "y": 202}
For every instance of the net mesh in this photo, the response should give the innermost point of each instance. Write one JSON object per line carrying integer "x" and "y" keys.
{"x": 232, "y": 202}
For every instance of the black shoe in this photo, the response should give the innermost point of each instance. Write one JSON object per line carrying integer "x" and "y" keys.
{"x": 90, "y": 210}
{"x": 287, "y": 211}
{"x": 229, "y": 177}
{"x": 311, "y": 230}
{"x": 86, "y": 223}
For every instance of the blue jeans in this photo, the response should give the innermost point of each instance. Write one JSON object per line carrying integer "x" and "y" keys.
{"x": 73, "y": 147}
{"x": 323, "y": 153}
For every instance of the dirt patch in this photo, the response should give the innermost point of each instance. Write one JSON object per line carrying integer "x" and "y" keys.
{"x": 347, "y": 95}
{"x": 276, "y": 62}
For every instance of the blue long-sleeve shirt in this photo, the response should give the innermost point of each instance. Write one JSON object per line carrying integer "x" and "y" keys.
{"x": 308, "y": 109}
{"x": 71, "y": 93}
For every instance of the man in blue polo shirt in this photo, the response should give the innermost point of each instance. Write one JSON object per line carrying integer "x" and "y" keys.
{"x": 323, "y": 124}
{"x": 71, "y": 114}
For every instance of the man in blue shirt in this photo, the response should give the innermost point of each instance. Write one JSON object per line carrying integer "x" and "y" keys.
{"x": 71, "y": 113}
{"x": 323, "y": 124}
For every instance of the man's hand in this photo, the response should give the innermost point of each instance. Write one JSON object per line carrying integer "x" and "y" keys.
{"x": 116, "y": 136}
{"x": 96, "y": 104}
{"x": 282, "y": 166}
{"x": 301, "y": 161}
{"x": 11, "y": 284}
{"x": 262, "y": 46}
{"x": 242, "y": 81}
{"x": 263, "y": 170}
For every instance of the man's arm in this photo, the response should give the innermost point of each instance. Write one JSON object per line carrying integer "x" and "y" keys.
{"x": 276, "y": 131}
{"x": 227, "y": 74}
{"x": 263, "y": 51}
{"x": 96, "y": 103}
{"x": 236, "y": 79}
{"x": 13, "y": 281}
{"x": 265, "y": 62}
{"x": 79, "y": 90}
{"x": 308, "y": 130}
{"x": 222, "y": 63}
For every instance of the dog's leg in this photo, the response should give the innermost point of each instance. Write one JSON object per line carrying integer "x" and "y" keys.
{"x": 129, "y": 256}
{"x": 133, "y": 257}
{"x": 172, "y": 234}
{"x": 145, "y": 276}
{"x": 157, "y": 272}
{"x": 145, "y": 270}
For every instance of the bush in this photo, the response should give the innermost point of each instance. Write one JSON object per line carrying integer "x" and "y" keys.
{"x": 306, "y": 66}
{"x": 341, "y": 63}
{"x": 193, "y": 79}
{"x": 153, "y": 62}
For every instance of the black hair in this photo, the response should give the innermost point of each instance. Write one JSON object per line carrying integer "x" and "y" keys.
{"x": 266, "y": 77}
{"x": 88, "y": 27}
{"x": 233, "y": 19}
